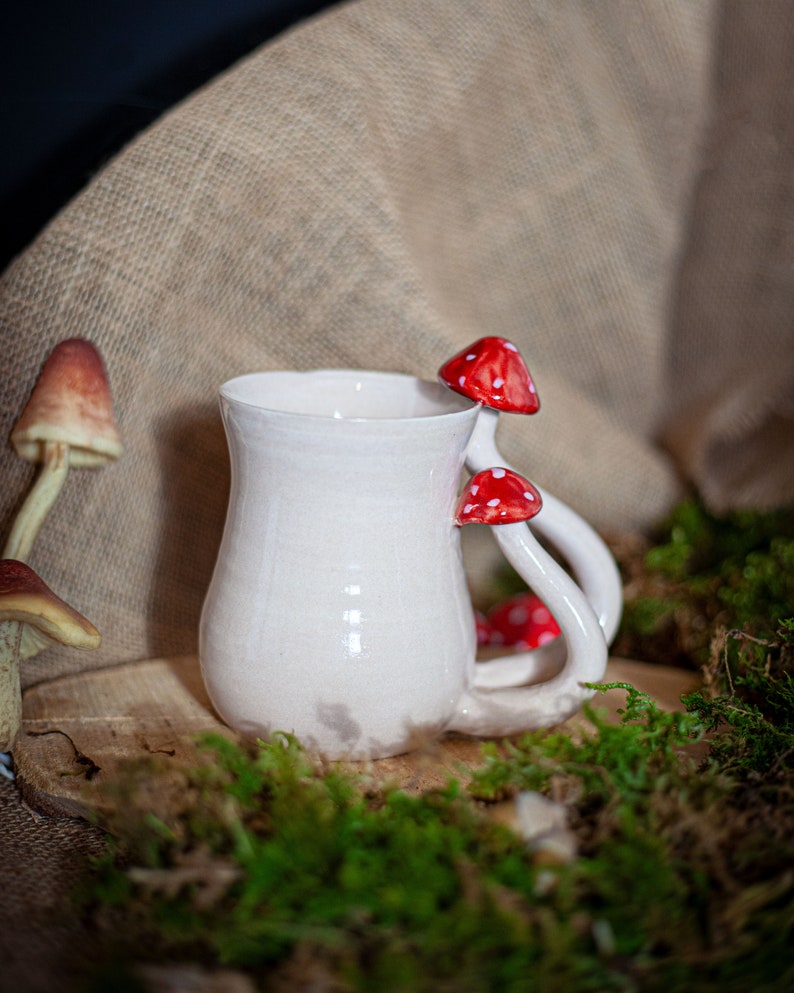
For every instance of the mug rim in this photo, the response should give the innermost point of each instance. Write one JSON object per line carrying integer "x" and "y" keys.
{"x": 454, "y": 404}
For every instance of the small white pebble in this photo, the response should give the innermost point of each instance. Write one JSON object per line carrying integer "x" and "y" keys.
{"x": 603, "y": 936}
{"x": 543, "y": 825}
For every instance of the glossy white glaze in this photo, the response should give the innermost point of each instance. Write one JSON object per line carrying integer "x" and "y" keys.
{"x": 338, "y": 608}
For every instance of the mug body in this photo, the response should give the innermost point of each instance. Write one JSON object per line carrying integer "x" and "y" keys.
{"x": 338, "y": 609}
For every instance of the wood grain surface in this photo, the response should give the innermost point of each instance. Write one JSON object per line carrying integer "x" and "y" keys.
{"x": 79, "y": 731}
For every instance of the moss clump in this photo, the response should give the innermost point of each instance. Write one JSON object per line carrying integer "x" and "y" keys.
{"x": 272, "y": 861}
{"x": 748, "y": 698}
{"x": 275, "y": 859}
{"x": 704, "y": 573}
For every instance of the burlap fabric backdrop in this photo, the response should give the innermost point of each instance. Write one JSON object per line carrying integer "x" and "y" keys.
{"x": 606, "y": 183}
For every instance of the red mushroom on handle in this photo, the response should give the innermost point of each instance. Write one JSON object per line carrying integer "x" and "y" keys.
{"x": 497, "y": 496}
{"x": 68, "y": 421}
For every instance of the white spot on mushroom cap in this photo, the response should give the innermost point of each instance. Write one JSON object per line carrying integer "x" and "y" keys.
{"x": 475, "y": 489}
{"x": 495, "y": 502}
{"x": 468, "y": 508}
{"x": 498, "y": 383}
{"x": 510, "y": 346}
{"x": 528, "y": 495}
{"x": 498, "y": 473}
{"x": 540, "y": 615}
{"x": 461, "y": 380}
{"x": 470, "y": 357}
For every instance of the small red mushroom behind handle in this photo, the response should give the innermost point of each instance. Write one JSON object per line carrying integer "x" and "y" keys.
{"x": 522, "y": 621}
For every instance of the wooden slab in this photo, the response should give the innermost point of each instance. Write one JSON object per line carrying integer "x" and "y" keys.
{"x": 78, "y": 731}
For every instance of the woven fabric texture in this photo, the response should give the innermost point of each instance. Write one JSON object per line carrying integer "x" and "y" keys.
{"x": 608, "y": 185}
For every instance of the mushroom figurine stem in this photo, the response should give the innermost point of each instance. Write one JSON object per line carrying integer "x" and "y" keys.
{"x": 55, "y": 468}
{"x": 10, "y": 691}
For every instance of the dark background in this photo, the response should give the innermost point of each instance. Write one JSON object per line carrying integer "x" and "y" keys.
{"x": 79, "y": 78}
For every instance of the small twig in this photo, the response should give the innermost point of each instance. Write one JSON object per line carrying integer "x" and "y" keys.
{"x": 79, "y": 757}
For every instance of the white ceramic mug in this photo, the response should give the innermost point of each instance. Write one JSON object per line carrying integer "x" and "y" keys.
{"x": 339, "y": 608}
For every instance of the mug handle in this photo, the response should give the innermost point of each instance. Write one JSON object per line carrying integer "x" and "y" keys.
{"x": 590, "y": 560}
{"x": 491, "y": 708}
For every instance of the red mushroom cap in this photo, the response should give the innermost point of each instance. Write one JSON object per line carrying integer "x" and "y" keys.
{"x": 492, "y": 372}
{"x": 522, "y": 621}
{"x": 497, "y": 496}
{"x": 70, "y": 403}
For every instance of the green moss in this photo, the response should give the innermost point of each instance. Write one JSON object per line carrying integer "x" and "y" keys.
{"x": 298, "y": 874}
{"x": 752, "y": 707}
{"x": 394, "y": 892}
{"x": 703, "y": 573}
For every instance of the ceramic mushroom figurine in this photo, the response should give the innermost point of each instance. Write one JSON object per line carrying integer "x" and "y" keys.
{"x": 522, "y": 621}
{"x": 492, "y": 372}
{"x": 32, "y": 618}
{"x": 68, "y": 421}
{"x": 497, "y": 496}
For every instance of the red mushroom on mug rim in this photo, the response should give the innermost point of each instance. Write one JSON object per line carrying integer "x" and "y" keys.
{"x": 491, "y": 371}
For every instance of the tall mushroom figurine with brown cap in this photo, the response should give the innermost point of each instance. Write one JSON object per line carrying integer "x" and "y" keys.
{"x": 32, "y": 618}
{"x": 492, "y": 372}
{"x": 68, "y": 421}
